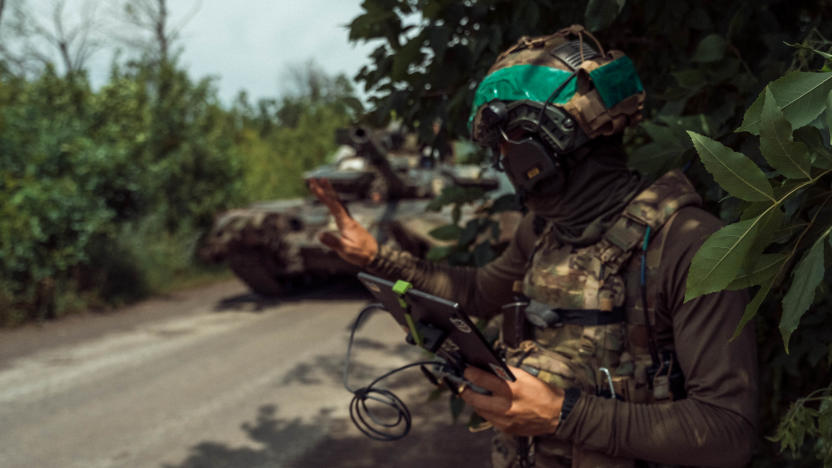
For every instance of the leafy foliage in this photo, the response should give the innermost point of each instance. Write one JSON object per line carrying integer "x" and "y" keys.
{"x": 808, "y": 422}
{"x": 720, "y": 259}
{"x": 477, "y": 241}
{"x": 76, "y": 164}
{"x": 105, "y": 193}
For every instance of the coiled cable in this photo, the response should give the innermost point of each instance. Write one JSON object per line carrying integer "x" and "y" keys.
{"x": 364, "y": 417}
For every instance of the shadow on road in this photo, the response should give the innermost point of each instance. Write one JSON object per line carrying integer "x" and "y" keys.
{"x": 338, "y": 288}
{"x": 324, "y": 440}
{"x": 433, "y": 442}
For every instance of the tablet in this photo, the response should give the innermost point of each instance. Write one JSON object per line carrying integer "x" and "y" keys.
{"x": 437, "y": 325}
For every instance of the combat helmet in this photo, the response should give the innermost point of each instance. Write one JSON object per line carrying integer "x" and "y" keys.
{"x": 558, "y": 90}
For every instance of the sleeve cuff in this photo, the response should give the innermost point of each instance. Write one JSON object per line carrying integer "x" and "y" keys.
{"x": 382, "y": 259}
{"x": 570, "y": 421}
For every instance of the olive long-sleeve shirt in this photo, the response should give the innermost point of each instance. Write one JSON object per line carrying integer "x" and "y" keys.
{"x": 713, "y": 426}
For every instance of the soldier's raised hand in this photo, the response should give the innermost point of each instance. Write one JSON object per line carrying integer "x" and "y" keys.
{"x": 353, "y": 242}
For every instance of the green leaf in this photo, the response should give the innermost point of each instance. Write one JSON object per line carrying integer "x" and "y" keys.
{"x": 447, "y": 232}
{"x": 763, "y": 269}
{"x": 710, "y": 49}
{"x": 821, "y": 156}
{"x": 753, "y": 306}
{"x": 733, "y": 171}
{"x": 438, "y": 252}
{"x": 807, "y": 275}
{"x": 768, "y": 227}
{"x": 655, "y": 158}
{"x": 409, "y": 55}
{"x": 789, "y": 157}
{"x": 829, "y": 357}
{"x": 690, "y": 79}
{"x": 663, "y": 152}
{"x": 469, "y": 234}
{"x": 435, "y": 394}
{"x": 716, "y": 264}
{"x": 458, "y": 257}
{"x": 438, "y": 37}
{"x": 800, "y": 95}
{"x": 752, "y": 210}
{"x": 781, "y": 236}
{"x": 483, "y": 254}
{"x": 601, "y": 13}
{"x": 507, "y": 202}
{"x": 829, "y": 115}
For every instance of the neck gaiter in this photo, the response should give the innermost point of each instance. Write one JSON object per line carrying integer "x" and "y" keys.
{"x": 597, "y": 186}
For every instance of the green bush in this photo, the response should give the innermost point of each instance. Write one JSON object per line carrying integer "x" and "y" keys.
{"x": 104, "y": 194}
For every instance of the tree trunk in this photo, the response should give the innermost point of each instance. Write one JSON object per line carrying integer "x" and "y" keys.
{"x": 161, "y": 33}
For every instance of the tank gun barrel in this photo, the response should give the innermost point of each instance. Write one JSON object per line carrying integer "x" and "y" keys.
{"x": 366, "y": 146}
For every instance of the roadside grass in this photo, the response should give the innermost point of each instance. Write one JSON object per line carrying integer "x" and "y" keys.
{"x": 140, "y": 261}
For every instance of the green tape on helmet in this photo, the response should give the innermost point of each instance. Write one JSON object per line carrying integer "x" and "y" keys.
{"x": 523, "y": 82}
{"x": 600, "y": 91}
{"x": 616, "y": 81}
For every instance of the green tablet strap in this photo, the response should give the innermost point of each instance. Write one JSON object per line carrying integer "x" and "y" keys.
{"x": 400, "y": 288}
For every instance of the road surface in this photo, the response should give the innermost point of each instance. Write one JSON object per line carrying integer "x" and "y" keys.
{"x": 215, "y": 377}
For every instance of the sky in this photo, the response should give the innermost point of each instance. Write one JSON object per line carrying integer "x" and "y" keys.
{"x": 247, "y": 44}
{"x": 250, "y": 46}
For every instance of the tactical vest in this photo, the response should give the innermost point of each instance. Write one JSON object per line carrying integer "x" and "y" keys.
{"x": 586, "y": 325}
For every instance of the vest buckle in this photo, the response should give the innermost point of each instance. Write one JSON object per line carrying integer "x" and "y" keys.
{"x": 542, "y": 315}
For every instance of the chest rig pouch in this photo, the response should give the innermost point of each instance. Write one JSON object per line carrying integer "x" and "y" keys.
{"x": 577, "y": 314}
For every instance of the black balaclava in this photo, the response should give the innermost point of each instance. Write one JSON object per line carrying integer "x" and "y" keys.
{"x": 596, "y": 188}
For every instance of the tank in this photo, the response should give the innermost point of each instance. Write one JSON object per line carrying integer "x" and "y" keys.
{"x": 385, "y": 182}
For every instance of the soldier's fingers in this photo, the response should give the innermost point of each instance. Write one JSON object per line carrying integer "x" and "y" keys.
{"x": 316, "y": 187}
{"x": 486, "y": 405}
{"x": 329, "y": 191}
{"x": 332, "y": 241}
{"x": 322, "y": 188}
{"x": 328, "y": 188}
{"x": 487, "y": 380}
{"x": 498, "y": 420}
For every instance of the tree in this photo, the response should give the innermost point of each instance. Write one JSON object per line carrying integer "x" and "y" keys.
{"x": 73, "y": 39}
{"x": 432, "y": 54}
{"x": 95, "y": 181}
{"x": 308, "y": 85}
{"x": 152, "y": 30}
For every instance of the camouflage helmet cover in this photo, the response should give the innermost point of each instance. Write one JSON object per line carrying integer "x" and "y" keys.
{"x": 605, "y": 97}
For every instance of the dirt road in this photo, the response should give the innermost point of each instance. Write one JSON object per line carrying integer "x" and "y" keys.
{"x": 214, "y": 377}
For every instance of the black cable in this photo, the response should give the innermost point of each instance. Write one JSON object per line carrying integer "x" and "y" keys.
{"x": 361, "y": 414}
{"x": 551, "y": 97}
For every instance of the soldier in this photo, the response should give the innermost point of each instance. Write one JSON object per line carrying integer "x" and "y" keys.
{"x": 613, "y": 367}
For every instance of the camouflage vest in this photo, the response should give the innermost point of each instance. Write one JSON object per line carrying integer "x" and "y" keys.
{"x": 608, "y": 349}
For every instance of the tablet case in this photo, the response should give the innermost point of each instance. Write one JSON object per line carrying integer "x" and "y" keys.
{"x": 437, "y": 325}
